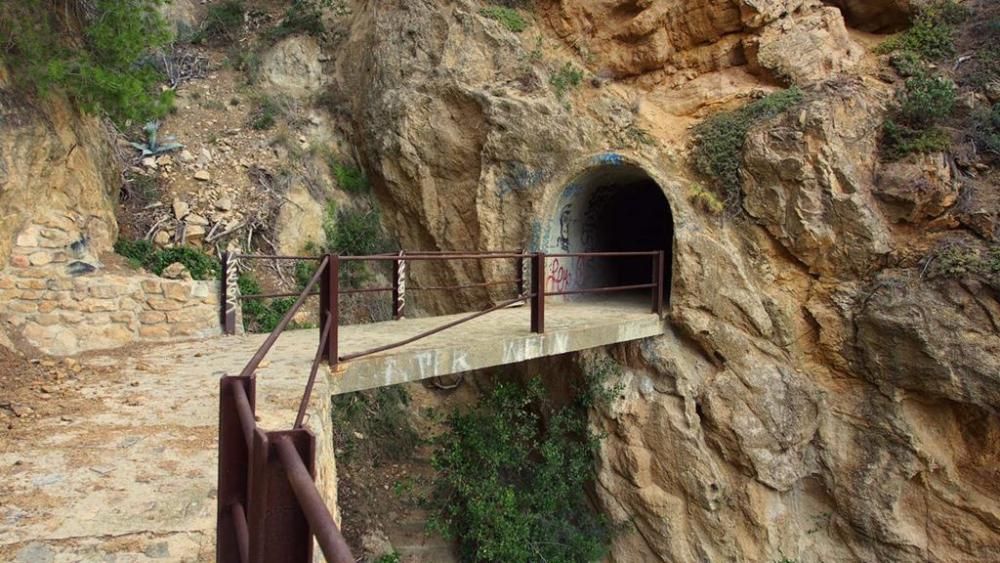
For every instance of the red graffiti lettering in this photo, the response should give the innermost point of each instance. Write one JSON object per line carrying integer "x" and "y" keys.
{"x": 558, "y": 278}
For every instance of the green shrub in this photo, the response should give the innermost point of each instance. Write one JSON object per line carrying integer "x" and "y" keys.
{"x": 143, "y": 254}
{"x": 301, "y": 17}
{"x": 932, "y": 34}
{"x": 223, "y": 21}
{"x": 512, "y": 483}
{"x": 927, "y": 100}
{"x": 959, "y": 259}
{"x": 898, "y": 141}
{"x": 565, "y": 78}
{"x": 393, "y": 557}
{"x": 265, "y": 115}
{"x": 913, "y": 127}
{"x": 261, "y": 315}
{"x": 110, "y": 72}
{"x": 718, "y": 142}
{"x": 986, "y": 130}
{"x": 508, "y": 17}
{"x": 349, "y": 178}
{"x": 382, "y": 420}
{"x": 907, "y": 63}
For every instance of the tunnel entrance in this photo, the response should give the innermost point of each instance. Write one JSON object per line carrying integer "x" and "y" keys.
{"x": 609, "y": 208}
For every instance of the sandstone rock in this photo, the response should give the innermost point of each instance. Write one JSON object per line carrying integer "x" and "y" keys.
{"x": 934, "y": 338}
{"x": 224, "y": 203}
{"x": 917, "y": 188}
{"x": 181, "y": 209}
{"x": 292, "y": 66}
{"x": 804, "y": 49}
{"x": 195, "y": 219}
{"x": 301, "y": 222}
{"x": 194, "y": 233}
{"x": 40, "y": 258}
{"x": 202, "y": 176}
{"x": 149, "y": 162}
{"x": 376, "y": 544}
{"x": 808, "y": 179}
{"x": 161, "y": 238}
{"x": 176, "y": 271}
{"x": 186, "y": 156}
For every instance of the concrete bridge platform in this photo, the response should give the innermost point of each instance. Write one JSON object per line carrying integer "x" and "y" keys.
{"x": 498, "y": 338}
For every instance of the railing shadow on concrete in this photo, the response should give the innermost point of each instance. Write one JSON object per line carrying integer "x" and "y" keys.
{"x": 269, "y": 508}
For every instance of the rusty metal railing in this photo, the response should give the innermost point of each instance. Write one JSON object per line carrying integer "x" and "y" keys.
{"x": 268, "y": 506}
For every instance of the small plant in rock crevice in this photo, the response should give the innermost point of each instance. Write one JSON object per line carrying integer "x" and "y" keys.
{"x": 565, "y": 78}
{"x": 507, "y": 17}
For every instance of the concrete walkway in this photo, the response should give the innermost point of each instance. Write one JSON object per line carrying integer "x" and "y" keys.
{"x": 118, "y": 462}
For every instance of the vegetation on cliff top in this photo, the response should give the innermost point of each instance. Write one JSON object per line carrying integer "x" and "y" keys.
{"x": 96, "y": 52}
{"x": 718, "y": 143}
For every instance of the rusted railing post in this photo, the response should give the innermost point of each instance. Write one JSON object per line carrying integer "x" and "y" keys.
{"x": 658, "y": 270}
{"x": 229, "y": 299}
{"x": 329, "y": 305}
{"x": 399, "y": 287}
{"x": 522, "y": 274}
{"x": 234, "y": 459}
{"x": 278, "y": 529}
{"x": 538, "y": 293}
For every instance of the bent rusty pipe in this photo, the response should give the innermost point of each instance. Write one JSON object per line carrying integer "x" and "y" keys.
{"x": 321, "y": 522}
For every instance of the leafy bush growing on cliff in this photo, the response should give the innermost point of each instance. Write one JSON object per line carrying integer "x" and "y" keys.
{"x": 223, "y": 21}
{"x": 349, "y": 178}
{"x": 718, "y": 142}
{"x": 508, "y": 17}
{"x": 913, "y": 127}
{"x": 512, "y": 481}
{"x": 303, "y": 16}
{"x": 932, "y": 35}
{"x": 144, "y": 254}
{"x": 107, "y": 72}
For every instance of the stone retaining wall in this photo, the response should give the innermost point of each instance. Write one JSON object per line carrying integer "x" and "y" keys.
{"x": 64, "y": 316}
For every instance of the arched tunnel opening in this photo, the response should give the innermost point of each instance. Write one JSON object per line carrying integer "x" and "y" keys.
{"x": 609, "y": 208}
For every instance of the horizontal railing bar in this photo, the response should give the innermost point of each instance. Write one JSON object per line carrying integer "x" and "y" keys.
{"x": 365, "y": 290}
{"x": 247, "y": 420}
{"x": 283, "y": 324}
{"x": 430, "y": 257}
{"x": 433, "y": 331}
{"x": 321, "y": 522}
{"x": 459, "y": 252}
{"x": 239, "y": 516}
{"x": 601, "y": 289}
{"x": 275, "y": 295}
{"x": 602, "y": 254}
{"x": 276, "y": 257}
{"x": 470, "y": 286}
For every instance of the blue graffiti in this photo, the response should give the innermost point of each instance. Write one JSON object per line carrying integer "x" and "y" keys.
{"x": 520, "y": 178}
{"x": 609, "y": 159}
